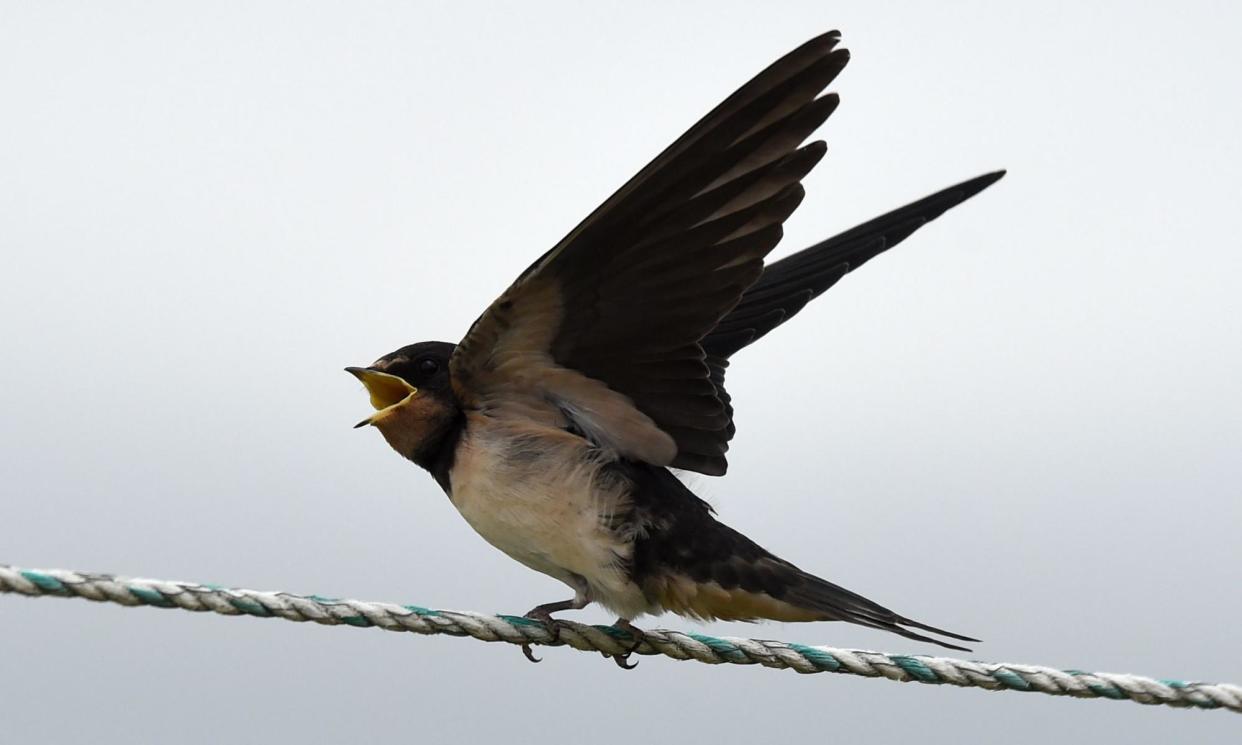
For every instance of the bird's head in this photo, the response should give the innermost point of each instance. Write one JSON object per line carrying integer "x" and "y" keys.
{"x": 413, "y": 399}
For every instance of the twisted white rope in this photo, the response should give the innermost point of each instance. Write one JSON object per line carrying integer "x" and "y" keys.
{"x": 614, "y": 642}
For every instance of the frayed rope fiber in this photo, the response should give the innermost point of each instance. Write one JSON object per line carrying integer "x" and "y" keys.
{"x": 618, "y": 642}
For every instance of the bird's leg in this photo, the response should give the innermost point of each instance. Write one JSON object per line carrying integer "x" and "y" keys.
{"x": 623, "y": 660}
{"x": 543, "y": 613}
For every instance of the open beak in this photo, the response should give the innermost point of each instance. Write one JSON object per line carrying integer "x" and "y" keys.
{"x": 386, "y": 391}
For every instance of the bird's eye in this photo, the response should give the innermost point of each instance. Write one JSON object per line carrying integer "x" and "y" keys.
{"x": 428, "y": 367}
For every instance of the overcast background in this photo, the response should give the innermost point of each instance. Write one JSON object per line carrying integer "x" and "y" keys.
{"x": 1024, "y": 424}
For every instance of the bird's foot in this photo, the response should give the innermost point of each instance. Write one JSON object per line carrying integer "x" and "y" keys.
{"x": 623, "y": 660}
{"x": 544, "y": 616}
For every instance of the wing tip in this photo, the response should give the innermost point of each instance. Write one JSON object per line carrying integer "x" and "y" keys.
{"x": 828, "y": 37}
{"x": 991, "y": 177}
{"x": 977, "y": 184}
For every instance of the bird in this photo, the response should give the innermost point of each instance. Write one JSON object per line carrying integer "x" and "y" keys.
{"x": 560, "y": 424}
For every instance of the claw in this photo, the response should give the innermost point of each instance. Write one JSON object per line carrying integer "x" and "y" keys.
{"x": 623, "y": 660}
{"x": 549, "y": 623}
{"x": 529, "y": 654}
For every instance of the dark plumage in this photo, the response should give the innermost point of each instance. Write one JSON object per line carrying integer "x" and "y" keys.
{"x": 553, "y": 424}
{"x": 684, "y": 538}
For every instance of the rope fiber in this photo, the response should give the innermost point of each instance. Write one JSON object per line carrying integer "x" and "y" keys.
{"x": 616, "y": 642}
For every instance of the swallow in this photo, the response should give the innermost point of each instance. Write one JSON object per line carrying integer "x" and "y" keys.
{"x": 555, "y": 426}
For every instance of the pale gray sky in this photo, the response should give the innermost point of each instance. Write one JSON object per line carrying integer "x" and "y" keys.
{"x": 1027, "y": 418}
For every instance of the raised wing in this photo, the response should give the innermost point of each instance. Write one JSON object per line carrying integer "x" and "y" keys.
{"x": 602, "y": 334}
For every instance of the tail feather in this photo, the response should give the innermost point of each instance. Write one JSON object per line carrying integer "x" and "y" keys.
{"x": 689, "y": 563}
{"x": 908, "y": 622}
{"x": 844, "y": 605}
{"x": 897, "y": 629}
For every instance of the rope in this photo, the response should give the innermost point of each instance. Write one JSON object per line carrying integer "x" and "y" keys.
{"x": 618, "y": 642}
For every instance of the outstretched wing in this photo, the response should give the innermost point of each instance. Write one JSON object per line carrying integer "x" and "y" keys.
{"x": 603, "y": 332}
{"x": 787, "y": 285}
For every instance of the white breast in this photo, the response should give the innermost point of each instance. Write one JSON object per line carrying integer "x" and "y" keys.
{"x": 534, "y": 495}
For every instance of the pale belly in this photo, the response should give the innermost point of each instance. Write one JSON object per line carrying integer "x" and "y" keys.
{"x": 540, "y": 502}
